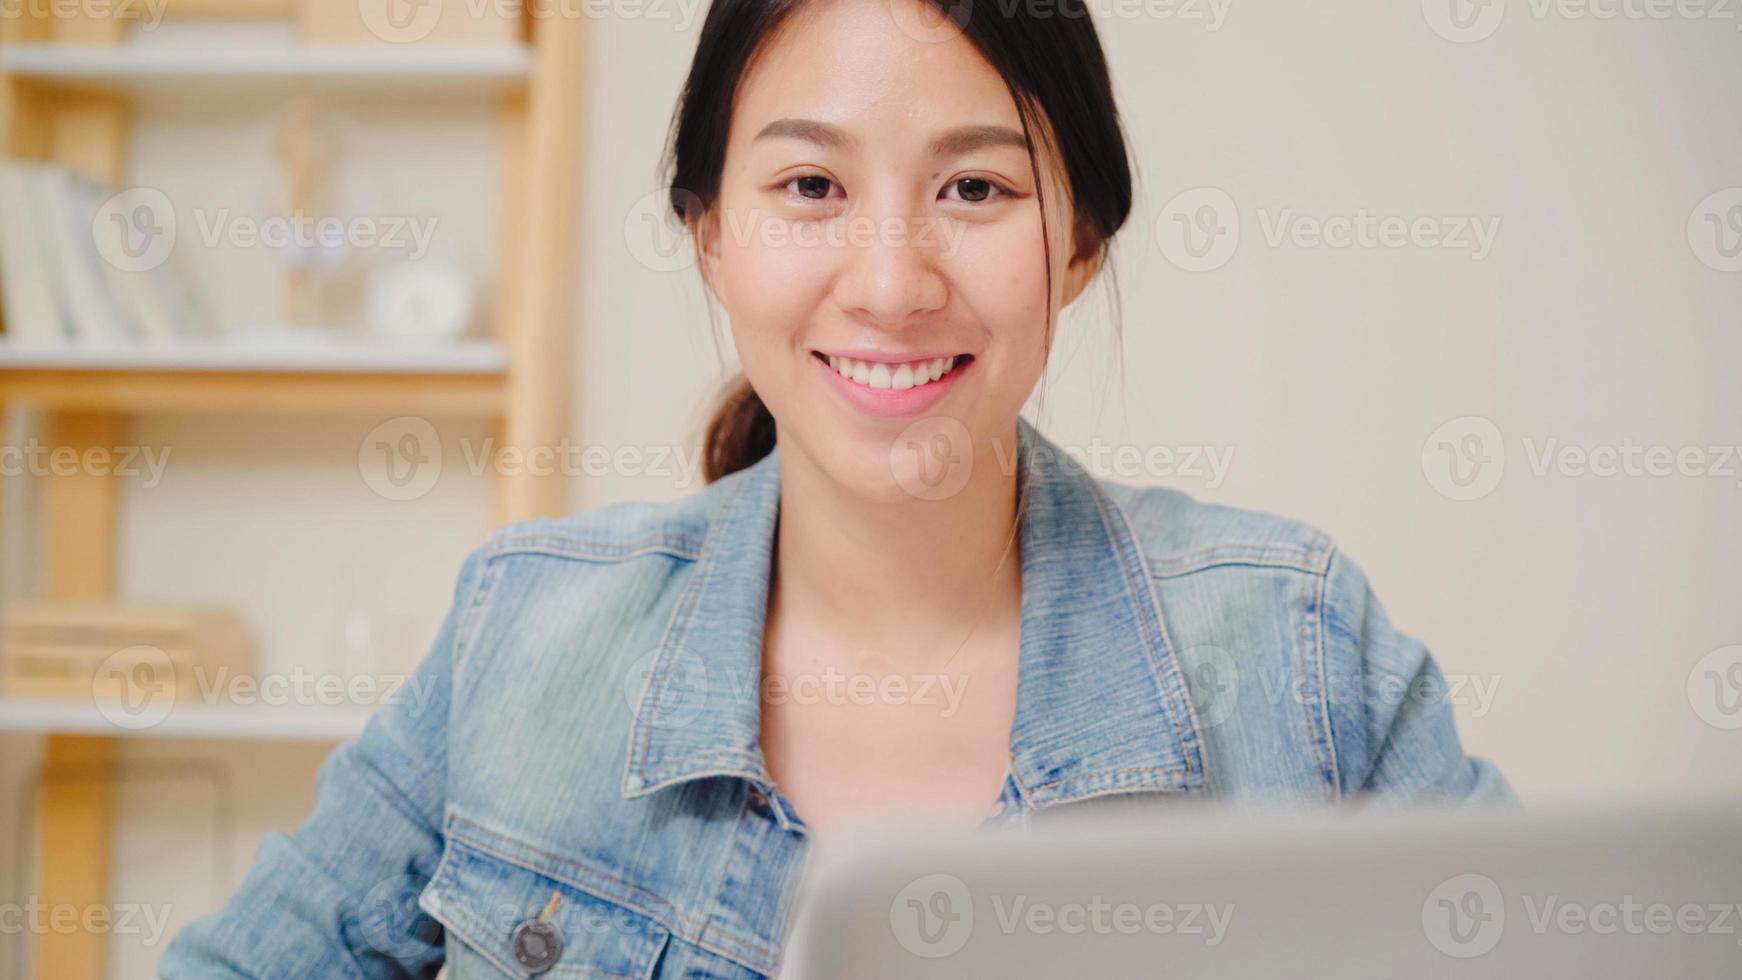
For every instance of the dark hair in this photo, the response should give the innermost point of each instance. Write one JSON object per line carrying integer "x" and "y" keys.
{"x": 1051, "y": 61}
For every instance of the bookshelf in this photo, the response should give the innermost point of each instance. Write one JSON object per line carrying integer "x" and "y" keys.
{"x": 69, "y": 80}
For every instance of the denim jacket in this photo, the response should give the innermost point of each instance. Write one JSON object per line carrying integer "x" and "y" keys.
{"x": 572, "y": 783}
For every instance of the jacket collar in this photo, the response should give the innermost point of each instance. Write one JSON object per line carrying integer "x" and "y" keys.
{"x": 1102, "y": 705}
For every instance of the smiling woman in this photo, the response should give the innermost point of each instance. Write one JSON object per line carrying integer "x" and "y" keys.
{"x": 896, "y": 604}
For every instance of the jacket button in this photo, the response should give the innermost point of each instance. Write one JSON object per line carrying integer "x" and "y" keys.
{"x": 537, "y": 945}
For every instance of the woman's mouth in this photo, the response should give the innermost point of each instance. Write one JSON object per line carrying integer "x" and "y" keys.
{"x": 892, "y": 388}
{"x": 881, "y": 374}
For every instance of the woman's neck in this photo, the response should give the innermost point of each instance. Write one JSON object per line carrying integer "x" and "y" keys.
{"x": 914, "y": 575}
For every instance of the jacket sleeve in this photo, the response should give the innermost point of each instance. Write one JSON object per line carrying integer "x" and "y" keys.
{"x": 338, "y": 897}
{"x": 1390, "y": 707}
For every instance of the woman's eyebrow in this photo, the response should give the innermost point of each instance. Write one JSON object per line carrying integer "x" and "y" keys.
{"x": 967, "y": 139}
{"x": 950, "y": 143}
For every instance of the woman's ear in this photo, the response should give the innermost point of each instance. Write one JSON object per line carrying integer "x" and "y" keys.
{"x": 707, "y": 239}
{"x": 1084, "y": 264}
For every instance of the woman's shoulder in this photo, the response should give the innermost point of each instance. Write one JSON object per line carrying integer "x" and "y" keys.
{"x": 621, "y": 530}
{"x": 1180, "y": 534}
{"x": 1271, "y": 574}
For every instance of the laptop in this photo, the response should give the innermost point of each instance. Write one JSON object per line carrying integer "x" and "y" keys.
{"x": 1195, "y": 891}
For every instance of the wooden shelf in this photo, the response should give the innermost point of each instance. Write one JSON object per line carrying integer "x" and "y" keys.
{"x": 400, "y": 70}
{"x": 452, "y": 380}
{"x": 334, "y": 357}
{"x": 299, "y": 723}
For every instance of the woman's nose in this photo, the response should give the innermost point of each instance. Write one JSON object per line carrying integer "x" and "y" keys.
{"x": 890, "y": 273}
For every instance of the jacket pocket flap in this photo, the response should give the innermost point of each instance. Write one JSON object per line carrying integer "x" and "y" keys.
{"x": 488, "y": 901}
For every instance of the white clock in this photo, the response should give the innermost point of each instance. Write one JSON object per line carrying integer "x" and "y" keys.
{"x": 420, "y": 300}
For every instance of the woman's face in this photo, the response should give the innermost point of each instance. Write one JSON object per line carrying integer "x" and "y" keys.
{"x": 877, "y": 204}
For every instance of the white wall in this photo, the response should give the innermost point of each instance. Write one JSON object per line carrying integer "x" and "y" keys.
{"x": 1324, "y": 371}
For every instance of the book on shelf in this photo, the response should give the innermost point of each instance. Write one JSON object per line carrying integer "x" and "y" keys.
{"x": 57, "y": 287}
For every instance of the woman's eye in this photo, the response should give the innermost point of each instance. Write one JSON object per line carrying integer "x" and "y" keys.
{"x": 974, "y": 190}
{"x": 815, "y": 188}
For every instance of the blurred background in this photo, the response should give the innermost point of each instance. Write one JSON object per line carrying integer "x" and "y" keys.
{"x": 303, "y": 297}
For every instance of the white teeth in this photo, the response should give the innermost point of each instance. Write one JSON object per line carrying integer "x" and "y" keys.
{"x": 877, "y": 374}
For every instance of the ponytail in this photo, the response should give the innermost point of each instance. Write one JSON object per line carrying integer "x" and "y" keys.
{"x": 740, "y": 432}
